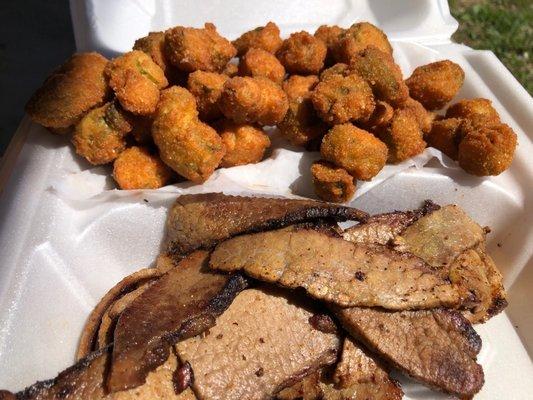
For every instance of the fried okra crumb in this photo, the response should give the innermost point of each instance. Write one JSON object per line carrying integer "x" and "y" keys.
{"x": 357, "y": 38}
{"x": 354, "y": 149}
{"x": 100, "y": 135}
{"x": 332, "y": 183}
{"x": 263, "y": 37}
{"x": 253, "y": 100}
{"x": 434, "y": 85}
{"x": 261, "y": 63}
{"x": 244, "y": 144}
{"x": 190, "y": 147}
{"x": 339, "y": 99}
{"x": 207, "y": 88}
{"x": 487, "y": 150}
{"x": 191, "y": 49}
{"x": 302, "y": 53}
{"x": 136, "y": 80}
{"x": 137, "y": 168}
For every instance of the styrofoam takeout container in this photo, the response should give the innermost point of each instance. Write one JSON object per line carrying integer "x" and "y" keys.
{"x": 64, "y": 240}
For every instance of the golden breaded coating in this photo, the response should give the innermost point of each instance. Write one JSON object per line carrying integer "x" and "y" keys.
{"x": 381, "y": 117}
{"x": 301, "y": 125}
{"x": 261, "y": 63}
{"x": 403, "y": 136}
{"x": 487, "y": 150}
{"x": 154, "y": 45}
{"x": 187, "y": 145}
{"x": 446, "y": 134}
{"x": 253, "y": 100}
{"x": 99, "y": 136}
{"x": 382, "y": 74}
{"x": 423, "y": 116}
{"x": 330, "y": 35}
{"x": 136, "y": 80}
{"x": 336, "y": 69}
{"x": 191, "y": 49}
{"x": 263, "y": 37}
{"x": 244, "y": 144}
{"x": 434, "y": 85}
{"x": 332, "y": 183}
{"x": 356, "y": 150}
{"x": 231, "y": 69}
{"x": 207, "y": 88}
{"x": 478, "y": 111}
{"x": 70, "y": 92}
{"x": 302, "y": 53}
{"x": 358, "y": 37}
{"x": 339, "y": 99}
{"x": 137, "y": 168}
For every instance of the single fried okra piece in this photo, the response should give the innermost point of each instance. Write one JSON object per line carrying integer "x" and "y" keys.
{"x": 446, "y": 134}
{"x": 137, "y": 168}
{"x": 434, "y": 85}
{"x": 253, "y": 100}
{"x": 263, "y": 37}
{"x": 332, "y": 183}
{"x": 191, "y": 49}
{"x": 478, "y": 111}
{"x": 357, "y": 38}
{"x": 261, "y": 63}
{"x": 302, "y": 53}
{"x": 207, "y": 88}
{"x": 356, "y": 150}
{"x": 330, "y": 35}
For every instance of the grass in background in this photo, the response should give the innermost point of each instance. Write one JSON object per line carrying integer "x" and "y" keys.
{"x": 503, "y": 26}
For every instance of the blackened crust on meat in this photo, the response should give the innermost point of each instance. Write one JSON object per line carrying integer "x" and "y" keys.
{"x": 464, "y": 327}
{"x": 497, "y": 306}
{"x": 203, "y": 220}
{"x": 66, "y": 379}
{"x": 182, "y": 303}
{"x": 5, "y": 395}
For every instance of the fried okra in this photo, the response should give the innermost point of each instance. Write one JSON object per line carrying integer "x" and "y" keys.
{"x": 70, "y": 92}
{"x": 141, "y": 129}
{"x": 446, "y": 134}
{"x": 381, "y": 117}
{"x": 301, "y": 125}
{"x": 358, "y": 37}
{"x": 330, "y": 35}
{"x": 434, "y": 85}
{"x": 191, "y": 49}
{"x": 487, "y": 150}
{"x": 356, "y": 150}
{"x": 261, "y": 63}
{"x": 263, "y": 37}
{"x": 403, "y": 136}
{"x": 136, "y": 80}
{"x": 339, "y": 99}
{"x": 332, "y": 183}
{"x": 336, "y": 69}
{"x": 154, "y": 45}
{"x": 244, "y": 144}
{"x": 207, "y": 88}
{"x": 477, "y": 111}
{"x": 137, "y": 168}
{"x": 231, "y": 69}
{"x": 253, "y": 100}
{"x": 302, "y": 53}
{"x": 100, "y": 135}
{"x": 187, "y": 145}
{"x": 382, "y": 74}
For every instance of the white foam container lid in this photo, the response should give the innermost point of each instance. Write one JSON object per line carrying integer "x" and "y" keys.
{"x": 65, "y": 239}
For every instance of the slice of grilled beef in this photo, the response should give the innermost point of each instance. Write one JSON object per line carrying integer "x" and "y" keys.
{"x": 335, "y": 270}
{"x": 261, "y": 344}
{"x": 85, "y": 381}
{"x": 200, "y": 221}
{"x": 182, "y": 303}
{"x": 436, "y": 347}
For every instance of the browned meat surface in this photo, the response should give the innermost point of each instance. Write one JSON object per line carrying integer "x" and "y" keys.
{"x": 262, "y": 343}
{"x": 182, "y": 303}
{"x": 382, "y": 228}
{"x": 128, "y": 284}
{"x": 307, "y": 388}
{"x": 203, "y": 220}
{"x": 436, "y": 347}
{"x": 335, "y": 270}
{"x": 440, "y": 237}
{"x": 84, "y": 381}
